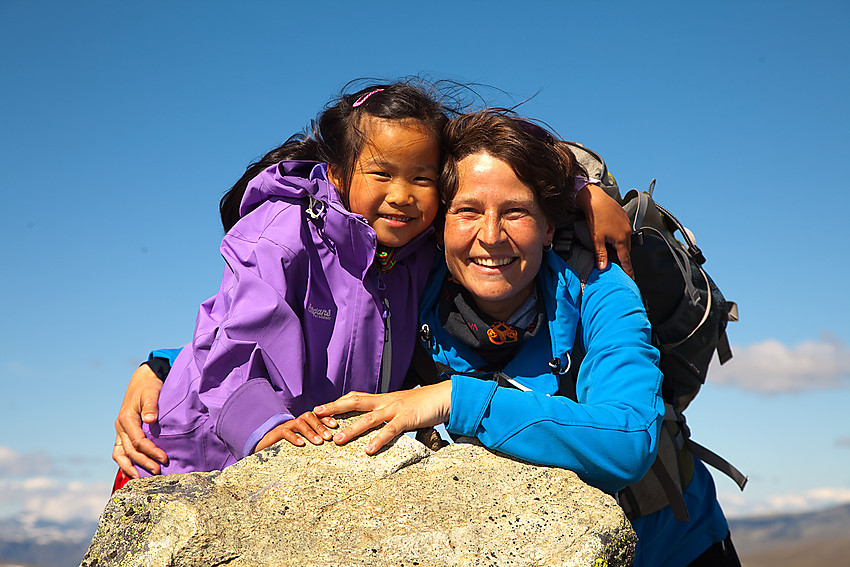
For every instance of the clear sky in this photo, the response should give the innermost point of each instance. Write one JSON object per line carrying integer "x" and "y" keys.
{"x": 121, "y": 124}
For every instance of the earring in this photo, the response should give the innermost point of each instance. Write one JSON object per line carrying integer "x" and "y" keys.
{"x": 548, "y": 247}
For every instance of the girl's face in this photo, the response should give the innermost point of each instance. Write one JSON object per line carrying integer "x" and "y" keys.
{"x": 494, "y": 235}
{"x": 394, "y": 181}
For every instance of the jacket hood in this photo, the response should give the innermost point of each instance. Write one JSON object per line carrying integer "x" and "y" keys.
{"x": 294, "y": 179}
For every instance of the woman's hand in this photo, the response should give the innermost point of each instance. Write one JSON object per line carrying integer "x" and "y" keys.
{"x": 400, "y": 411}
{"x": 307, "y": 424}
{"x": 608, "y": 224}
{"x": 140, "y": 404}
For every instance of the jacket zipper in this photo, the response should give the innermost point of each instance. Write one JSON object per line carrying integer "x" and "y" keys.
{"x": 387, "y": 354}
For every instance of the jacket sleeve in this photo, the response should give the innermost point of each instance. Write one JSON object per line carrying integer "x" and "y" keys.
{"x": 248, "y": 343}
{"x": 609, "y": 437}
{"x": 161, "y": 360}
{"x": 168, "y": 354}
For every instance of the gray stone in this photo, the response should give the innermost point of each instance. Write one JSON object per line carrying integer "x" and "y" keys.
{"x": 327, "y": 505}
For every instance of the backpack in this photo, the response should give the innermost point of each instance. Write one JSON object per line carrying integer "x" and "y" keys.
{"x": 688, "y": 315}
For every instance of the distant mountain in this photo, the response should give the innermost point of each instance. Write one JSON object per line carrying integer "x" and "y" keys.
{"x": 44, "y": 544}
{"x": 834, "y": 552}
{"x": 824, "y": 529}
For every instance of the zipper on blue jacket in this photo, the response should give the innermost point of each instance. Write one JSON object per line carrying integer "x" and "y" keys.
{"x": 387, "y": 354}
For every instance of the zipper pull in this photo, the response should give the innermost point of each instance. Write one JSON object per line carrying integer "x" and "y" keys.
{"x": 386, "y": 317}
{"x": 555, "y": 365}
{"x": 425, "y": 335}
{"x": 387, "y": 353}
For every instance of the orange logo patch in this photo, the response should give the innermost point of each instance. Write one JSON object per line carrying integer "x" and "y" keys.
{"x": 499, "y": 334}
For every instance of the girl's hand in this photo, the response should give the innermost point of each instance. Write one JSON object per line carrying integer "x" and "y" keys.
{"x": 140, "y": 404}
{"x": 608, "y": 224}
{"x": 307, "y": 424}
{"x": 400, "y": 411}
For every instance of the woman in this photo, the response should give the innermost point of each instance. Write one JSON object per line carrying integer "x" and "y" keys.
{"x": 504, "y": 312}
{"x": 502, "y": 304}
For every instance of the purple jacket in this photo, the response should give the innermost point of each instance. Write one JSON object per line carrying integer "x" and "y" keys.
{"x": 300, "y": 319}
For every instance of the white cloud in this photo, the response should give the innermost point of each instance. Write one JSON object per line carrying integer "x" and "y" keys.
{"x": 771, "y": 367}
{"x": 14, "y": 464}
{"x": 34, "y": 489}
{"x": 843, "y": 442}
{"x": 65, "y": 503}
{"x": 738, "y": 505}
{"x": 41, "y": 499}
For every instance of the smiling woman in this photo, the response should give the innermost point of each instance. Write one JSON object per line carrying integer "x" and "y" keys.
{"x": 495, "y": 232}
{"x": 504, "y": 306}
{"x": 503, "y": 318}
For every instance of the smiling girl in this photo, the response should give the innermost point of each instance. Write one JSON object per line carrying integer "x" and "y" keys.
{"x": 324, "y": 270}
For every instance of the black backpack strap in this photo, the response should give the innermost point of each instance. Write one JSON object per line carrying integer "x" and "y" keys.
{"x": 709, "y": 457}
{"x": 580, "y": 256}
{"x": 665, "y": 481}
{"x": 676, "y": 451}
{"x": 674, "y": 496}
{"x": 575, "y": 246}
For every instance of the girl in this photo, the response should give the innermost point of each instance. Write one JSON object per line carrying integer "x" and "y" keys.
{"x": 319, "y": 255}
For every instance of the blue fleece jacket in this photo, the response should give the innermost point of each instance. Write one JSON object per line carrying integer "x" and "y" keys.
{"x": 609, "y": 436}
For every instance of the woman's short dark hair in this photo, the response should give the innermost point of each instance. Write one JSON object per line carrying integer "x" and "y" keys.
{"x": 540, "y": 160}
{"x": 336, "y": 138}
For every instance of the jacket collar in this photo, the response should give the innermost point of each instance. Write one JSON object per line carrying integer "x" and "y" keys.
{"x": 561, "y": 294}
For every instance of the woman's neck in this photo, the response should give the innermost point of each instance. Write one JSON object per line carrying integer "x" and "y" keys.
{"x": 502, "y": 310}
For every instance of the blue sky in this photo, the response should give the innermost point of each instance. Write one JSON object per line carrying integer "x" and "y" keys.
{"x": 122, "y": 125}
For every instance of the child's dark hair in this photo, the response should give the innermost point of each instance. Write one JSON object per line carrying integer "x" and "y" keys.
{"x": 336, "y": 136}
{"x": 538, "y": 158}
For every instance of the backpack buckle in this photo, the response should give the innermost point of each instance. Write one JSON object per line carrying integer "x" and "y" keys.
{"x": 637, "y": 238}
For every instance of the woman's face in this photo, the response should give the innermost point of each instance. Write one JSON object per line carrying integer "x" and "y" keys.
{"x": 494, "y": 235}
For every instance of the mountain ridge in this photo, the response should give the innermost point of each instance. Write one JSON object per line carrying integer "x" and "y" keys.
{"x": 760, "y": 533}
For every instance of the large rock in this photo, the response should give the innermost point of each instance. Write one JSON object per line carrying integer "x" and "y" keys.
{"x": 327, "y": 505}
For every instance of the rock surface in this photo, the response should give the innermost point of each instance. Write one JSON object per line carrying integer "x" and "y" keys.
{"x": 327, "y": 505}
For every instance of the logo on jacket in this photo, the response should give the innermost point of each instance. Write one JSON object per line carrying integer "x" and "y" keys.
{"x": 499, "y": 333}
{"x": 318, "y": 313}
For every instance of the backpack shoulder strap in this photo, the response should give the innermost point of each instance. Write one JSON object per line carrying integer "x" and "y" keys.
{"x": 579, "y": 255}
{"x": 575, "y": 246}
